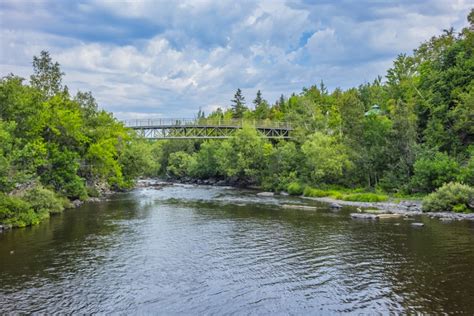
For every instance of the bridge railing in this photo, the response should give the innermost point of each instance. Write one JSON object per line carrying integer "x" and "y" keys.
{"x": 211, "y": 122}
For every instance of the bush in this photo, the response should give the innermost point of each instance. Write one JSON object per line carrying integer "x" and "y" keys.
{"x": 43, "y": 200}
{"x": 455, "y": 197}
{"x": 295, "y": 188}
{"x": 365, "y": 197}
{"x": 16, "y": 212}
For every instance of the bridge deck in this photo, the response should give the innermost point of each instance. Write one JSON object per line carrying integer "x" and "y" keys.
{"x": 205, "y": 128}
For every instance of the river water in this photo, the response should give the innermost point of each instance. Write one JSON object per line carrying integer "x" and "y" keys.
{"x": 215, "y": 250}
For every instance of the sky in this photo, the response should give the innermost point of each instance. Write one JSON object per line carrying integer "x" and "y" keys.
{"x": 144, "y": 59}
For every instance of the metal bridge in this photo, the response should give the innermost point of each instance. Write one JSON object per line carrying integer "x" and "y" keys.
{"x": 205, "y": 128}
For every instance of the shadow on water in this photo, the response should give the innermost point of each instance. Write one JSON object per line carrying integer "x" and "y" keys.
{"x": 185, "y": 249}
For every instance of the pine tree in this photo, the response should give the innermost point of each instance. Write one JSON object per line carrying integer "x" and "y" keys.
{"x": 258, "y": 99}
{"x": 238, "y": 104}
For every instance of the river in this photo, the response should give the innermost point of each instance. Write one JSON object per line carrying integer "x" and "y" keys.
{"x": 215, "y": 250}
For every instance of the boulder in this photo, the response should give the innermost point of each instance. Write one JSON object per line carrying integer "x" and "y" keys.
{"x": 417, "y": 224}
{"x": 265, "y": 194}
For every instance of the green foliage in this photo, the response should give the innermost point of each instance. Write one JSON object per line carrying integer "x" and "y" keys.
{"x": 62, "y": 173}
{"x": 62, "y": 141}
{"x": 346, "y": 195}
{"x": 295, "y": 188}
{"x": 16, "y": 212}
{"x": 365, "y": 197}
{"x": 244, "y": 156}
{"x": 43, "y": 200}
{"x": 135, "y": 159}
{"x": 432, "y": 171}
{"x": 326, "y": 158}
{"x": 180, "y": 164}
{"x": 206, "y": 161}
{"x": 453, "y": 196}
{"x": 313, "y": 192}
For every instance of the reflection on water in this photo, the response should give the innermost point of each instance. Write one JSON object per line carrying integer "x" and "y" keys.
{"x": 193, "y": 250}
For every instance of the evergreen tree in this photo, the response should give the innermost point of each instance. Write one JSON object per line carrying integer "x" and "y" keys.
{"x": 238, "y": 104}
{"x": 258, "y": 99}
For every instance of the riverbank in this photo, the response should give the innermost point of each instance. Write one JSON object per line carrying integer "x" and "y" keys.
{"x": 405, "y": 207}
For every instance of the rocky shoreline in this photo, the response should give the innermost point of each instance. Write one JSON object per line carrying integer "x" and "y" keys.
{"x": 403, "y": 208}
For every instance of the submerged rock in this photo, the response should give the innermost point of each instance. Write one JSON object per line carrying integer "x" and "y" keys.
{"x": 364, "y": 216}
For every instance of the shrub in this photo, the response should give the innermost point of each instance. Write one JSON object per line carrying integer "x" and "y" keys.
{"x": 16, "y": 212}
{"x": 453, "y": 196}
{"x": 295, "y": 188}
{"x": 44, "y": 200}
{"x": 365, "y": 197}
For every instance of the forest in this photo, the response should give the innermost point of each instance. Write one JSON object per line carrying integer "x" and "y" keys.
{"x": 407, "y": 134}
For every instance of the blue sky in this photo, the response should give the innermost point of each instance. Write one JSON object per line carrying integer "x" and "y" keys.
{"x": 146, "y": 59}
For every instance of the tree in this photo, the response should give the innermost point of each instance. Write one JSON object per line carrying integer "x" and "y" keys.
{"x": 238, "y": 104}
{"x": 326, "y": 158}
{"x": 433, "y": 170}
{"x": 262, "y": 109}
{"x": 258, "y": 99}
{"x": 243, "y": 157}
{"x": 47, "y": 76}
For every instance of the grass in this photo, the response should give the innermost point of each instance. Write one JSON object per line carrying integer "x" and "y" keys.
{"x": 346, "y": 194}
{"x": 365, "y": 197}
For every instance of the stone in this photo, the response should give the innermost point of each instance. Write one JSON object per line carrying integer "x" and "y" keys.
{"x": 76, "y": 203}
{"x": 265, "y": 194}
{"x": 389, "y": 216}
{"x": 299, "y": 207}
{"x": 417, "y": 224}
{"x": 446, "y": 219}
{"x": 364, "y": 216}
{"x": 335, "y": 206}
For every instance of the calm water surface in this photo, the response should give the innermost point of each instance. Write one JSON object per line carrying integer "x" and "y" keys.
{"x": 207, "y": 250}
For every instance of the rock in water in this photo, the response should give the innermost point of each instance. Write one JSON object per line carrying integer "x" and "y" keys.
{"x": 388, "y": 216}
{"x": 364, "y": 216}
{"x": 265, "y": 194}
{"x": 335, "y": 206}
{"x": 300, "y": 207}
